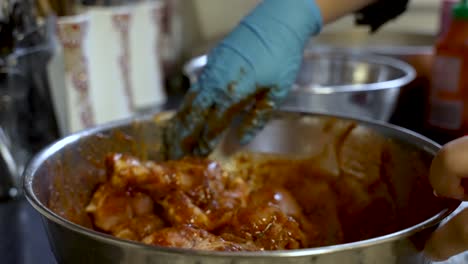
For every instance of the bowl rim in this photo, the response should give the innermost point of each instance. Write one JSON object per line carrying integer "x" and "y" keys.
{"x": 41, "y": 158}
{"x": 409, "y": 73}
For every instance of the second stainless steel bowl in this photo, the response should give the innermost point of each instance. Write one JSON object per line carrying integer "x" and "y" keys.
{"x": 335, "y": 82}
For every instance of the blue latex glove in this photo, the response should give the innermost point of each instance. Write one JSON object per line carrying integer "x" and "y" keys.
{"x": 251, "y": 70}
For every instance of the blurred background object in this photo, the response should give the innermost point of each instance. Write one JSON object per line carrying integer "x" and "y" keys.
{"x": 110, "y": 55}
{"x": 8, "y": 123}
{"x": 69, "y": 65}
{"x": 447, "y": 114}
{"x": 27, "y": 115}
{"x": 446, "y": 15}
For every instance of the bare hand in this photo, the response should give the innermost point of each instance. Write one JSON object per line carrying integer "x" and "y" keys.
{"x": 448, "y": 174}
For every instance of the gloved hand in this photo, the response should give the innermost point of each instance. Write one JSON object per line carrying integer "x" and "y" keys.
{"x": 252, "y": 69}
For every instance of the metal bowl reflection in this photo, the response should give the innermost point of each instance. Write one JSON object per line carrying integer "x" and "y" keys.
{"x": 333, "y": 81}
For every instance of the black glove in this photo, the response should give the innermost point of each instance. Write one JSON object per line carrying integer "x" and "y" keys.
{"x": 380, "y": 13}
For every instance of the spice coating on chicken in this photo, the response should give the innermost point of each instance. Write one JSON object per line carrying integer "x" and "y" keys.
{"x": 191, "y": 191}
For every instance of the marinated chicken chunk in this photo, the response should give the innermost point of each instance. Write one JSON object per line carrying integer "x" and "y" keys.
{"x": 313, "y": 193}
{"x": 139, "y": 227}
{"x": 191, "y": 191}
{"x": 125, "y": 214}
{"x": 191, "y": 238}
{"x": 271, "y": 221}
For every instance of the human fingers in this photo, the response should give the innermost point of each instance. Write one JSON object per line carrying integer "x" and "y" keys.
{"x": 449, "y": 240}
{"x": 449, "y": 169}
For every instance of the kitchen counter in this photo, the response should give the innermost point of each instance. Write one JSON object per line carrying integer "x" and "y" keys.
{"x": 22, "y": 236}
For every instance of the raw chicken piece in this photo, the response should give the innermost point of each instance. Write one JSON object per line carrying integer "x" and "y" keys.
{"x": 110, "y": 207}
{"x": 192, "y": 238}
{"x": 310, "y": 186}
{"x": 278, "y": 197}
{"x": 191, "y": 191}
{"x": 125, "y": 214}
{"x": 139, "y": 227}
{"x": 268, "y": 221}
{"x": 180, "y": 210}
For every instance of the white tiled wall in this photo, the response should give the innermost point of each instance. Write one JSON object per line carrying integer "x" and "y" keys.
{"x": 218, "y": 16}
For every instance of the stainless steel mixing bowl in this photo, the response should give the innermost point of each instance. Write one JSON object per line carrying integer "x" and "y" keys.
{"x": 337, "y": 81}
{"x": 59, "y": 181}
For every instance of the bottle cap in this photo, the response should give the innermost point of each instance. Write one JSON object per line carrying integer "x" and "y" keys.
{"x": 460, "y": 10}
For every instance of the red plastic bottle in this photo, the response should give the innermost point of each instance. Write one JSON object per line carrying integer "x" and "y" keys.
{"x": 448, "y": 103}
{"x": 446, "y": 15}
